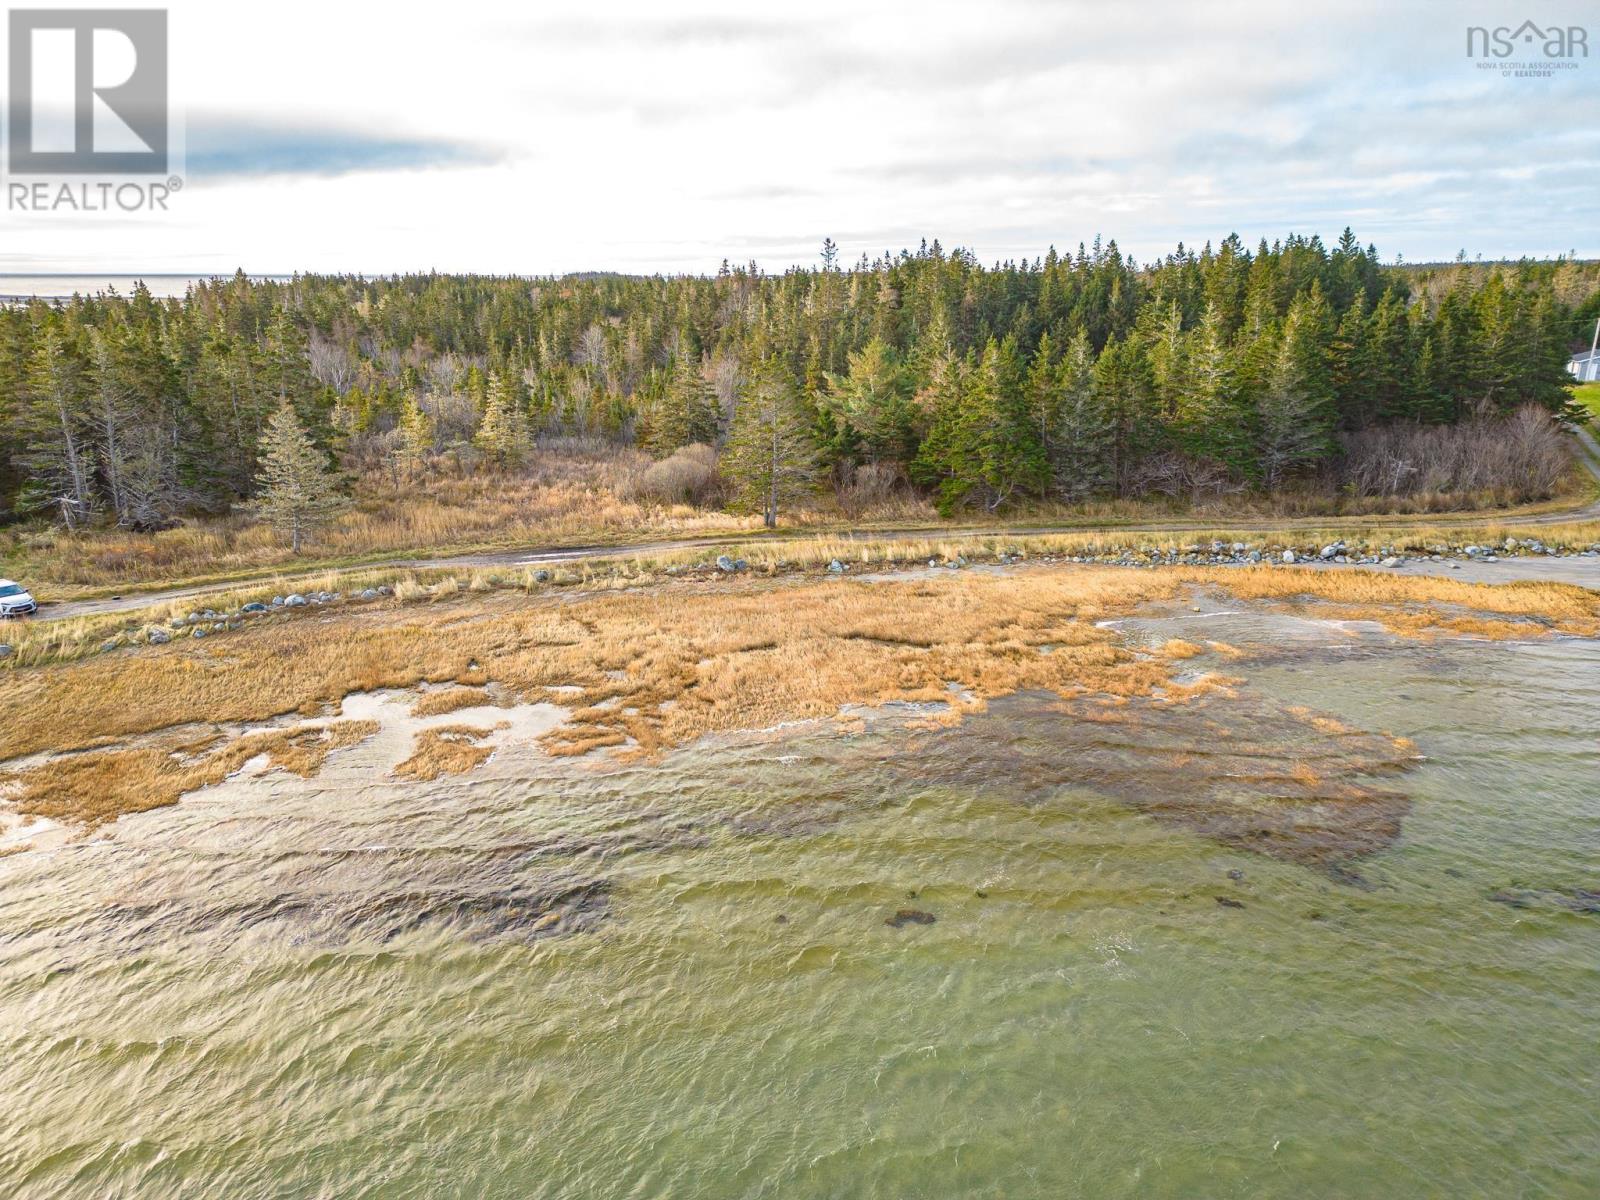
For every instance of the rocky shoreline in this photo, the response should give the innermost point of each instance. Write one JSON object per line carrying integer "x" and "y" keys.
{"x": 1432, "y": 558}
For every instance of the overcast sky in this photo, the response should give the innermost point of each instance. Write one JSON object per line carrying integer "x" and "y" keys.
{"x": 548, "y": 137}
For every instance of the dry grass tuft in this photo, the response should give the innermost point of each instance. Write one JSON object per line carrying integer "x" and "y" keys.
{"x": 449, "y": 700}
{"x": 99, "y": 786}
{"x": 1420, "y": 605}
{"x": 447, "y": 750}
{"x": 1177, "y": 648}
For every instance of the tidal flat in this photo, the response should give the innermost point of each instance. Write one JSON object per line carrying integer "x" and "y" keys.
{"x": 1043, "y": 881}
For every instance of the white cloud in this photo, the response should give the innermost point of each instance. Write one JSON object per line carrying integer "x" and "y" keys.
{"x": 548, "y": 138}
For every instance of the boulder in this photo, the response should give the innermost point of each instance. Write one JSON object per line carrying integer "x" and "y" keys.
{"x": 724, "y": 563}
{"x": 157, "y": 636}
{"x": 541, "y": 576}
{"x": 1288, "y": 556}
{"x": 294, "y": 601}
{"x": 5, "y": 650}
{"x": 255, "y": 606}
{"x": 836, "y": 567}
{"x": 1391, "y": 561}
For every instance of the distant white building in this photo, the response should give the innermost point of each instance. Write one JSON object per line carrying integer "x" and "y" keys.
{"x": 1585, "y": 367}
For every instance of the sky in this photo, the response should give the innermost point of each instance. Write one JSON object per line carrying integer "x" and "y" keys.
{"x": 537, "y": 138}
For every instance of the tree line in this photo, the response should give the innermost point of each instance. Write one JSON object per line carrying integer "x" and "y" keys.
{"x": 1064, "y": 377}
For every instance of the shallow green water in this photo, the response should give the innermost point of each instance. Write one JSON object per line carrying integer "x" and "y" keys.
{"x": 677, "y": 980}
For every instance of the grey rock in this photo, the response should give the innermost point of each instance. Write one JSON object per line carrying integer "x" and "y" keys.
{"x": 5, "y": 650}
{"x": 294, "y": 601}
{"x": 157, "y": 636}
{"x": 724, "y": 563}
{"x": 255, "y": 606}
{"x": 1391, "y": 561}
{"x": 368, "y": 594}
{"x": 199, "y": 632}
{"x": 541, "y": 576}
{"x": 1288, "y": 556}
{"x": 836, "y": 567}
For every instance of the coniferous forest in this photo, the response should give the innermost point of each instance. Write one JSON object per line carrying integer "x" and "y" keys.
{"x": 984, "y": 388}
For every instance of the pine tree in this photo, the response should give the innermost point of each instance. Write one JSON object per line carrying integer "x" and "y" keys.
{"x": 297, "y": 493}
{"x": 770, "y": 458}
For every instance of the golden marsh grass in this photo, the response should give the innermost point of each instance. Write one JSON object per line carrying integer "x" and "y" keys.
{"x": 647, "y": 668}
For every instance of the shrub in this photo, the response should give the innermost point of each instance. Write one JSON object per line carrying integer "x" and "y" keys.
{"x": 1519, "y": 457}
{"x": 868, "y": 486}
{"x": 1180, "y": 476}
{"x": 687, "y": 476}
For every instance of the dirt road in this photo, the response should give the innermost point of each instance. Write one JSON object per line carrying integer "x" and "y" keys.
{"x": 1589, "y": 456}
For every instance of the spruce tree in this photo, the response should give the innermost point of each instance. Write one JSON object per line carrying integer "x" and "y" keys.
{"x": 685, "y": 413}
{"x": 296, "y": 492}
{"x": 1082, "y": 437}
{"x": 503, "y": 433}
{"x": 1295, "y": 406}
{"x": 770, "y": 458}
{"x": 870, "y": 402}
{"x": 417, "y": 435}
{"x": 56, "y": 453}
{"x": 1126, "y": 394}
{"x": 1211, "y": 424}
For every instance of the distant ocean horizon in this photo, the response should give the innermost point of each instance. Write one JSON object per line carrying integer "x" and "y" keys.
{"x": 45, "y": 286}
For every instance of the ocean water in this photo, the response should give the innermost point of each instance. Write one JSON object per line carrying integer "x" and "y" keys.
{"x": 687, "y": 978}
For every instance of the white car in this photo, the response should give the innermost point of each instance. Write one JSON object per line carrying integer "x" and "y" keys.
{"x": 15, "y": 600}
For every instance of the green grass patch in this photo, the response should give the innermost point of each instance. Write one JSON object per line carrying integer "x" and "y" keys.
{"x": 1588, "y": 396}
